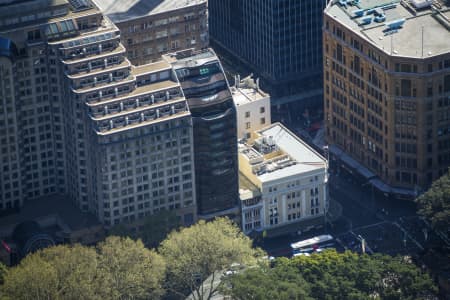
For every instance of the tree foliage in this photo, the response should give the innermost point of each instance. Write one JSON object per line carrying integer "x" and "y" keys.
{"x": 157, "y": 227}
{"x": 3, "y": 271}
{"x": 76, "y": 270}
{"x": 33, "y": 278}
{"x": 434, "y": 205}
{"x": 282, "y": 283}
{"x": 331, "y": 275}
{"x": 197, "y": 255}
{"x": 134, "y": 271}
{"x": 119, "y": 269}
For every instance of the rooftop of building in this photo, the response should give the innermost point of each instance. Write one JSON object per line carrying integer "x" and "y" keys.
{"x": 150, "y": 68}
{"x": 125, "y": 10}
{"x": 275, "y": 152}
{"x": 406, "y": 28}
{"x": 247, "y": 91}
{"x": 190, "y": 58}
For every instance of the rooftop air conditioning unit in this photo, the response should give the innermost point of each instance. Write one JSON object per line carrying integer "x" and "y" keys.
{"x": 420, "y": 4}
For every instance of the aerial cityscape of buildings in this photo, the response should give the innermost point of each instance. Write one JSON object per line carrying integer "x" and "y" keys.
{"x": 112, "y": 112}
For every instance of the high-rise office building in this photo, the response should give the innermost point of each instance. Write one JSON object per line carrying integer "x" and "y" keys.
{"x": 215, "y": 136}
{"x": 151, "y": 28}
{"x": 77, "y": 118}
{"x": 279, "y": 40}
{"x": 387, "y": 90}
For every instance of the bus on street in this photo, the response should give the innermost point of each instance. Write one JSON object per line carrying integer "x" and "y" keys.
{"x": 315, "y": 244}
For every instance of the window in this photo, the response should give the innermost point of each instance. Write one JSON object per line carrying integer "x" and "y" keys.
{"x": 405, "y": 88}
{"x": 262, "y": 109}
{"x": 247, "y": 114}
{"x": 34, "y": 35}
{"x": 247, "y": 125}
{"x": 263, "y": 121}
{"x": 447, "y": 83}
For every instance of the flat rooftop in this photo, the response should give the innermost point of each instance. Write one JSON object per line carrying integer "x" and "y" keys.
{"x": 247, "y": 92}
{"x": 190, "y": 58}
{"x": 125, "y": 10}
{"x": 423, "y": 28}
{"x": 150, "y": 68}
{"x": 278, "y": 153}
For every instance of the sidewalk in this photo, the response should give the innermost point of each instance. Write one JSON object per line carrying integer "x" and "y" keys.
{"x": 334, "y": 211}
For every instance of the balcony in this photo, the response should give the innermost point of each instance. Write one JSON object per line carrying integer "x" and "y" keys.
{"x": 80, "y": 57}
{"x": 133, "y": 119}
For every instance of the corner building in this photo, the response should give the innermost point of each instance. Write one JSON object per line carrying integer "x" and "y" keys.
{"x": 387, "y": 90}
{"x": 82, "y": 121}
{"x": 215, "y": 134}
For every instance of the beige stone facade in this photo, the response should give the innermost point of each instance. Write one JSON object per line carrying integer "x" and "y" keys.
{"x": 387, "y": 90}
{"x": 149, "y": 32}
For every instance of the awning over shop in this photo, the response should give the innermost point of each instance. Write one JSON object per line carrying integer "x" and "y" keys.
{"x": 369, "y": 175}
{"x": 350, "y": 162}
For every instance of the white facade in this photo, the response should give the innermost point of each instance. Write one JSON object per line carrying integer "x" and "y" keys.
{"x": 291, "y": 177}
{"x": 252, "y": 107}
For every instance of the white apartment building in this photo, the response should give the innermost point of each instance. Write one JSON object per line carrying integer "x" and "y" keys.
{"x": 252, "y": 107}
{"x": 291, "y": 177}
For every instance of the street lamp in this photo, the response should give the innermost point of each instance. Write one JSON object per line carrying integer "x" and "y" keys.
{"x": 327, "y": 166}
{"x": 363, "y": 243}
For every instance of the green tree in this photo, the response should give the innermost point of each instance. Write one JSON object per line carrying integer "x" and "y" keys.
{"x": 348, "y": 275}
{"x": 434, "y": 205}
{"x": 61, "y": 272}
{"x": 196, "y": 256}
{"x": 134, "y": 272}
{"x": 77, "y": 271}
{"x": 3, "y": 271}
{"x": 282, "y": 283}
{"x": 157, "y": 227}
{"x": 33, "y": 278}
{"x": 332, "y": 275}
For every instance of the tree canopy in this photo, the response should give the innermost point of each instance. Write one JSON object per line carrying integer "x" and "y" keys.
{"x": 434, "y": 204}
{"x": 196, "y": 256}
{"x": 192, "y": 262}
{"x": 332, "y": 275}
{"x": 134, "y": 271}
{"x": 119, "y": 268}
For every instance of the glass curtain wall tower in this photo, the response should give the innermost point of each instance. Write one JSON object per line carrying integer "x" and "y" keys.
{"x": 280, "y": 40}
{"x": 215, "y": 136}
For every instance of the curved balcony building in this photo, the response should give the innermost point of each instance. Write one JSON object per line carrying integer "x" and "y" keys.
{"x": 215, "y": 137}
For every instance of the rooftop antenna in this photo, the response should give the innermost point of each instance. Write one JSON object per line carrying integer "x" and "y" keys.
{"x": 422, "y": 41}
{"x": 392, "y": 43}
